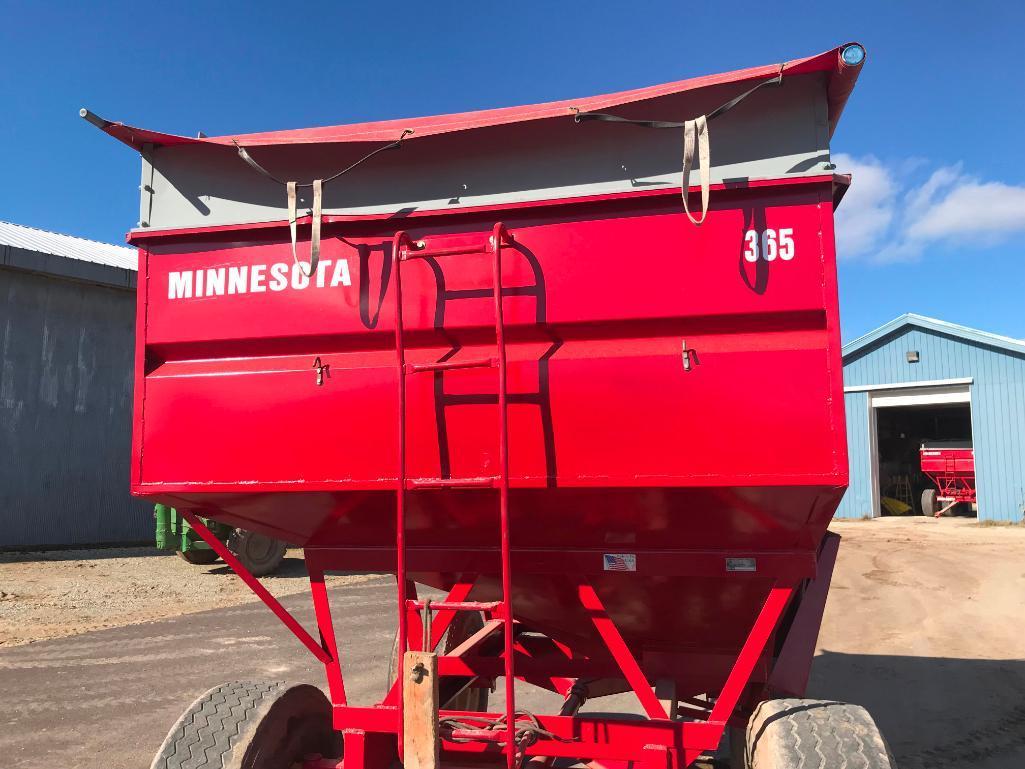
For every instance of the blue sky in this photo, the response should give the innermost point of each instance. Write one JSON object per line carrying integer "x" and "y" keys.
{"x": 935, "y": 131}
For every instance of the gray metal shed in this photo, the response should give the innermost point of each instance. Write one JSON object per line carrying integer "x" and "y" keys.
{"x": 67, "y": 339}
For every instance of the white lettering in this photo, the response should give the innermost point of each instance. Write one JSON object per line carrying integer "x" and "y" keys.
{"x": 256, "y": 278}
{"x": 321, "y": 269}
{"x": 215, "y": 282}
{"x": 341, "y": 274}
{"x": 299, "y": 277}
{"x": 238, "y": 278}
{"x": 279, "y": 276}
{"x": 766, "y": 246}
{"x": 179, "y": 285}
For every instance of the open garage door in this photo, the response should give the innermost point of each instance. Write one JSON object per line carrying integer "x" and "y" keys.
{"x": 901, "y": 420}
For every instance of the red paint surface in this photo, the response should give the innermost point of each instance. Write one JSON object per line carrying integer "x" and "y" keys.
{"x": 615, "y": 446}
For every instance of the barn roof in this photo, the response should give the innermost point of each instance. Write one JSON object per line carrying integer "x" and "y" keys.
{"x": 911, "y": 319}
{"x": 841, "y": 81}
{"x": 51, "y": 253}
{"x": 68, "y": 246}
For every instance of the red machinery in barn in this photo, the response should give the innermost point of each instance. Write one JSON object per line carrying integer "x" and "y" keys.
{"x": 951, "y": 466}
{"x": 508, "y": 362}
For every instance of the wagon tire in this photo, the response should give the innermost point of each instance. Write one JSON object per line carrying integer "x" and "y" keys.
{"x": 260, "y": 554}
{"x": 198, "y": 557}
{"x": 814, "y": 734}
{"x": 471, "y": 699}
{"x": 929, "y": 505}
{"x": 250, "y": 725}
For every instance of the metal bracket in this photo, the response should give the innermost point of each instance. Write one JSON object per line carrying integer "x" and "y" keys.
{"x": 320, "y": 368}
{"x": 687, "y": 353}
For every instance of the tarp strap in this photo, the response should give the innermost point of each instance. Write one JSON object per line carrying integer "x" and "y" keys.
{"x": 695, "y": 137}
{"x": 695, "y": 133}
{"x": 318, "y": 197}
{"x": 317, "y": 217}
{"x": 719, "y": 111}
{"x": 264, "y": 172}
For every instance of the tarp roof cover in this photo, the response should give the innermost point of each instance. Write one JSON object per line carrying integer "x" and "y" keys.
{"x": 841, "y": 81}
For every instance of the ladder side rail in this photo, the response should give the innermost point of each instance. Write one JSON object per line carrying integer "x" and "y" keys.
{"x": 398, "y": 242}
{"x": 503, "y": 492}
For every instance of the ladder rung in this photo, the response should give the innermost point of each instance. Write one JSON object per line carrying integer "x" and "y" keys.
{"x": 416, "y": 368}
{"x": 449, "y": 483}
{"x": 422, "y": 252}
{"x": 488, "y": 293}
{"x": 456, "y": 605}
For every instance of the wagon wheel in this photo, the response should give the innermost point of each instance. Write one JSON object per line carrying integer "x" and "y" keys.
{"x": 454, "y": 693}
{"x": 250, "y": 725}
{"x": 198, "y": 557}
{"x": 814, "y": 734}
{"x": 929, "y": 505}
{"x": 260, "y": 554}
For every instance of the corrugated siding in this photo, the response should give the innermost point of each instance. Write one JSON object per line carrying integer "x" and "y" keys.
{"x": 998, "y": 408}
{"x": 67, "y": 246}
{"x": 857, "y": 502}
{"x": 66, "y": 359}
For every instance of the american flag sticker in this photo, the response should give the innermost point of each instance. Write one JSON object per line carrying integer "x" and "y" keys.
{"x": 620, "y": 562}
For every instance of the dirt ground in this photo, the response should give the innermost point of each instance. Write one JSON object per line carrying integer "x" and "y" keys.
{"x": 928, "y": 587}
{"x": 925, "y": 627}
{"x": 62, "y": 593}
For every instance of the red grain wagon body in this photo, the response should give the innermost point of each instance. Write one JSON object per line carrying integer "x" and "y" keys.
{"x": 951, "y": 466}
{"x": 518, "y": 373}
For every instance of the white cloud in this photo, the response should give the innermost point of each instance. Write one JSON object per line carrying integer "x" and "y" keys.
{"x": 992, "y": 210}
{"x": 883, "y": 222}
{"x": 867, "y": 210}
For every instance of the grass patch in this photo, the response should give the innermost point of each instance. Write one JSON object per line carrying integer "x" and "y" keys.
{"x": 1000, "y": 524}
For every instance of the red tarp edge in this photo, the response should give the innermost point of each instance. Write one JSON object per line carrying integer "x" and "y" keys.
{"x": 841, "y": 83}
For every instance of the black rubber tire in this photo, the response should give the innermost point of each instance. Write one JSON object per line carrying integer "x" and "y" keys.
{"x": 453, "y": 695}
{"x": 814, "y": 734}
{"x": 250, "y": 725}
{"x": 260, "y": 554}
{"x": 198, "y": 557}
{"x": 929, "y": 504}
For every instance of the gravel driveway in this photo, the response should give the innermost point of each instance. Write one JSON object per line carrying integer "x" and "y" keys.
{"x": 923, "y": 627}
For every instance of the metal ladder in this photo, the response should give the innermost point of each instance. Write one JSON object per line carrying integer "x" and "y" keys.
{"x": 404, "y": 249}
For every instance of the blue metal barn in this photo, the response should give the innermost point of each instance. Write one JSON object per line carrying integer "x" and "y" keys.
{"x": 916, "y": 379}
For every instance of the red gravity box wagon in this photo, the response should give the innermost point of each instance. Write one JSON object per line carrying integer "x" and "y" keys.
{"x": 498, "y": 354}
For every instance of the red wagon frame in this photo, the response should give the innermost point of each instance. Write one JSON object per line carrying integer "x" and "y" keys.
{"x": 373, "y": 735}
{"x": 952, "y": 470}
{"x": 672, "y": 737}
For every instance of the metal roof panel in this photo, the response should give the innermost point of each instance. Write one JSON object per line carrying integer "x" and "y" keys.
{"x": 67, "y": 246}
{"x": 912, "y": 319}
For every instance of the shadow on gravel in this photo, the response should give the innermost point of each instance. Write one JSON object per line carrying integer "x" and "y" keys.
{"x": 935, "y": 713}
{"x": 291, "y": 567}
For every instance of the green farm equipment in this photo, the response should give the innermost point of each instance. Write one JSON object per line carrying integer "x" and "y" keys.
{"x": 260, "y": 554}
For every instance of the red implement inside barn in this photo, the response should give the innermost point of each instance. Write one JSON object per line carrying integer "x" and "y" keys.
{"x": 506, "y": 364}
{"x": 950, "y": 465}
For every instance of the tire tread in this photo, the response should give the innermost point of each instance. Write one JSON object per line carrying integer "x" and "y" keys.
{"x": 205, "y": 733}
{"x": 814, "y": 734}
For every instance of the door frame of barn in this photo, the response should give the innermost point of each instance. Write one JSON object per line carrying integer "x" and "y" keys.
{"x": 928, "y": 393}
